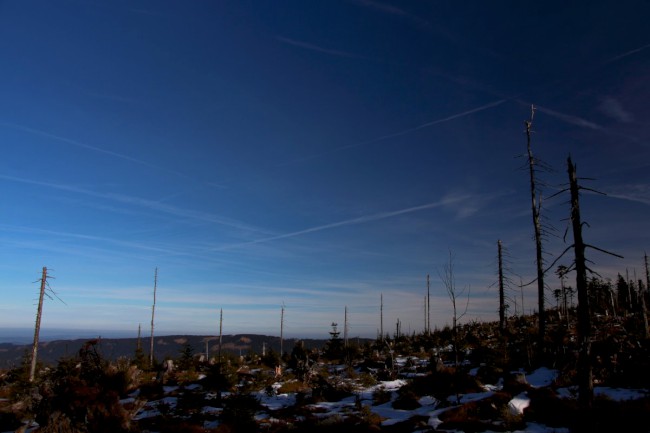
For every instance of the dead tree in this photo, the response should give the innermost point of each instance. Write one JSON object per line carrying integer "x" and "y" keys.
{"x": 428, "y": 308}
{"x": 502, "y": 303}
{"x": 536, "y": 205}
{"x": 45, "y": 290}
{"x": 561, "y": 272}
{"x": 425, "y": 329}
{"x": 585, "y": 373}
{"x": 398, "y": 329}
{"x": 381, "y": 317}
{"x": 37, "y": 328}
{"x": 345, "y": 328}
{"x": 448, "y": 279}
{"x": 585, "y": 378}
{"x": 281, "y": 331}
{"x": 220, "y": 336}
{"x": 138, "y": 344}
{"x": 642, "y": 294}
{"x": 521, "y": 291}
{"x": 153, "y": 313}
{"x": 219, "y": 363}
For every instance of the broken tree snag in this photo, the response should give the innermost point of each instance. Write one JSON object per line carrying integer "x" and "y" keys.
{"x": 37, "y": 327}
{"x": 153, "y": 313}
{"x": 585, "y": 377}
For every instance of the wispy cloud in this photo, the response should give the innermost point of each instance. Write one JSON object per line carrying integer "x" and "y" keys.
{"x": 403, "y": 132}
{"x": 613, "y": 108}
{"x": 142, "y": 202}
{"x": 465, "y": 204}
{"x": 312, "y": 47}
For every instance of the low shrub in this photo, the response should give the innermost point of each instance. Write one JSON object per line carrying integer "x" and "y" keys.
{"x": 239, "y": 413}
{"x": 381, "y": 395}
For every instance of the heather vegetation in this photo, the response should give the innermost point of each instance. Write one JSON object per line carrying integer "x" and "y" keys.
{"x": 353, "y": 388}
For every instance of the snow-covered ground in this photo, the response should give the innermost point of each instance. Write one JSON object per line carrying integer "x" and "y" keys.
{"x": 430, "y": 407}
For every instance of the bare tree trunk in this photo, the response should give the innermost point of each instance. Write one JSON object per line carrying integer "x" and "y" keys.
{"x": 281, "y": 331}
{"x": 502, "y": 304}
{"x": 220, "y": 335}
{"x": 37, "y": 327}
{"x": 138, "y": 345}
{"x": 219, "y": 363}
{"x": 153, "y": 313}
{"x": 381, "y": 317}
{"x": 428, "y": 307}
{"x": 425, "y": 332}
{"x": 564, "y": 300}
{"x": 538, "y": 234}
{"x": 345, "y": 328}
{"x": 448, "y": 280}
{"x": 521, "y": 289}
{"x": 585, "y": 378}
{"x": 642, "y": 294}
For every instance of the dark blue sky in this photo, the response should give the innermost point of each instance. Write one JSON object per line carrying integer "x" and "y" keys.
{"x": 313, "y": 154}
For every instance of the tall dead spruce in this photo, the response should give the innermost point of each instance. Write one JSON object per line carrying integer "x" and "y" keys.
{"x": 585, "y": 370}
{"x": 502, "y": 302}
{"x": 536, "y": 207}
{"x": 45, "y": 290}
{"x": 153, "y": 313}
{"x": 282, "y": 331}
{"x": 644, "y": 310}
{"x": 585, "y": 379}
{"x": 428, "y": 308}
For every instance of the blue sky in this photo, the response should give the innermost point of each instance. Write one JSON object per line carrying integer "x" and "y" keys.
{"x": 315, "y": 155}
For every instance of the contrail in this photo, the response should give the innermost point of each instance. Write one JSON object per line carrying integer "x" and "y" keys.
{"x": 88, "y": 146}
{"x": 403, "y": 132}
{"x": 629, "y": 53}
{"x": 10, "y": 228}
{"x": 574, "y": 120}
{"x": 352, "y": 221}
{"x": 313, "y": 47}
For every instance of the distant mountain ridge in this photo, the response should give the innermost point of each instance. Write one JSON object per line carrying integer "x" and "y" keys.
{"x": 49, "y": 352}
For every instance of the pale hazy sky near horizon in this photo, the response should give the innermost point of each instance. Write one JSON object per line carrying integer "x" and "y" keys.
{"x": 311, "y": 154}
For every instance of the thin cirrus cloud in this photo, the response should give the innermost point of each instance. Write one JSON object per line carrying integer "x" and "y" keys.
{"x": 612, "y": 108}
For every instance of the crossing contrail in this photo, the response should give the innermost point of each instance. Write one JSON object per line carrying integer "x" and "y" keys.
{"x": 351, "y": 221}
